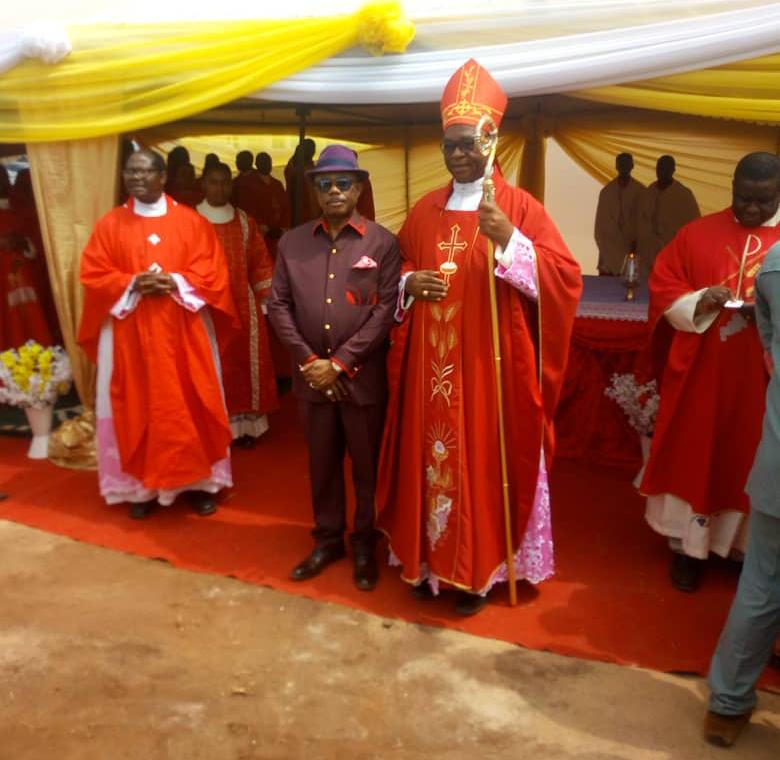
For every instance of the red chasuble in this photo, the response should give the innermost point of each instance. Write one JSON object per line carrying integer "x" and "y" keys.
{"x": 166, "y": 397}
{"x": 713, "y": 383}
{"x": 439, "y": 494}
{"x": 22, "y": 315}
{"x": 247, "y": 371}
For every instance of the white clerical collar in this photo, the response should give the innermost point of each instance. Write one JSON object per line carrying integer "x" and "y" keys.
{"x": 468, "y": 188}
{"x": 216, "y": 214}
{"x": 158, "y": 208}
{"x": 5, "y": 204}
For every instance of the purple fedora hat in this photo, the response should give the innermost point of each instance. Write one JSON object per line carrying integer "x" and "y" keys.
{"x": 337, "y": 158}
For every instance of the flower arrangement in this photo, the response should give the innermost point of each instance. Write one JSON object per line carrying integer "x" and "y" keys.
{"x": 639, "y": 402}
{"x": 33, "y": 376}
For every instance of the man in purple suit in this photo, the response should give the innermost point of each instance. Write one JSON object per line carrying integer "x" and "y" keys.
{"x": 332, "y": 303}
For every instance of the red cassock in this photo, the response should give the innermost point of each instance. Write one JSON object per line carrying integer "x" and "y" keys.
{"x": 22, "y": 314}
{"x": 274, "y": 210}
{"x": 166, "y": 396}
{"x": 247, "y": 370}
{"x": 441, "y": 445}
{"x": 712, "y": 384}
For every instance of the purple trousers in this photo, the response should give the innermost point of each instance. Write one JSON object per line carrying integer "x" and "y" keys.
{"x": 333, "y": 429}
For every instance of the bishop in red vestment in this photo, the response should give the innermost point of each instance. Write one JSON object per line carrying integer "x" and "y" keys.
{"x": 439, "y": 496}
{"x": 155, "y": 282}
{"x": 247, "y": 370}
{"x": 713, "y": 379}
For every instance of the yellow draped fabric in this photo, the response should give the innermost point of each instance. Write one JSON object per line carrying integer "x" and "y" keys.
{"x": 748, "y": 90}
{"x": 74, "y": 184}
{"x": 120, "y": 78}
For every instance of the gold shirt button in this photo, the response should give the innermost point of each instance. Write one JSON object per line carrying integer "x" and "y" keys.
{"x": 328, "y": 300}
{"x": 334, "y": 250}
{"x": 329, "y": 351}
{"x": 327, "y": 326}
{"x": 331, "y": 276}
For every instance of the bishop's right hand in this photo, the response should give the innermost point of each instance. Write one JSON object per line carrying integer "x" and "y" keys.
{"x": 426, "y": 285}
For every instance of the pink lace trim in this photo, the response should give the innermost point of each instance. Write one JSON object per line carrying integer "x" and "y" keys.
{"x": 521, "y": 274}
{"x": 117, "y": 486}
{"x": 534, "y": 560}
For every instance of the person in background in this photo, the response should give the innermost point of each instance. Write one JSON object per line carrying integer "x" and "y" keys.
{"x": 303, "y": 201}
{"x": 247, "y": 371}
{"x": 274, "y": 206}
{"x": 708, "y": 359}
{"x": 665, "y": 207}
{"x": 332, "y": 301}
{"x": 616, "y": 217}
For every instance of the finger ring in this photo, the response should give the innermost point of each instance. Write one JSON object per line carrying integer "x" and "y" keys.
{"x": 311, "y": 385}
{"x": 425, "y": 293}
{"x": 329, "y": 392}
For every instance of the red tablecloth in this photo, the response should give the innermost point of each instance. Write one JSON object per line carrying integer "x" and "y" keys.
{"x": 590, "y": 426}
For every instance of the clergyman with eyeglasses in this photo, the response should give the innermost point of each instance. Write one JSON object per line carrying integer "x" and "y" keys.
{"x": 440, "y": 483}
{"x": 333, "y": 297}
{"x": 155, "y": 283}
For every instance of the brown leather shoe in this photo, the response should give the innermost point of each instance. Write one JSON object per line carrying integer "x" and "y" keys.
{"x": 723, "y": 730}
{"x": 316, "y": 562}
{"x": 366, "y": 572}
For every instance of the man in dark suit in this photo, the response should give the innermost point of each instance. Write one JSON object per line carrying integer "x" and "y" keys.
{"x": 332, "y": 303}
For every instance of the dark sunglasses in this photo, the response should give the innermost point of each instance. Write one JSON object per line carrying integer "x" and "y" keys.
{"x": 324, "y": 184}
{"x": 466, "y": 145}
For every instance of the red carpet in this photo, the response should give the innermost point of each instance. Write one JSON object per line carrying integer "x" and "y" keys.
{"x": 610, "y": 599}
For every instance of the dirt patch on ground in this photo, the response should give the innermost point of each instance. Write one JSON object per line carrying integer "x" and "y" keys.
{"x": 105, "y": 657}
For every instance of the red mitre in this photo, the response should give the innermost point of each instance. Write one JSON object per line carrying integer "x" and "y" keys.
{"x": 470, "y": 94}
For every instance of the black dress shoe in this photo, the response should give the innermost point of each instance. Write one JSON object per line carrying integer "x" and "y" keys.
{"x": 685, "y": 572}
{"x": 142, "y": 510}
{"x": 366, "y": 572}
{"x": 246, "y": 442}
{"x": 423, "y": 592}
{"x": 316, "y": 562}
{"x": 469, "y": 604}
{"x": 203, "y": 503}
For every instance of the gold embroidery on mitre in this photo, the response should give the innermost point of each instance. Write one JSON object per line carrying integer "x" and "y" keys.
{"x": 465, "y": 103}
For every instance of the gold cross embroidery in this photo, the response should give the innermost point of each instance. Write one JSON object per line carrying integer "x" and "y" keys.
{"x": 450, "y": 248}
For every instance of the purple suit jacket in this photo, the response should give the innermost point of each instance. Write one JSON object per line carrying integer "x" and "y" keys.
{"x": 335, "y": 299}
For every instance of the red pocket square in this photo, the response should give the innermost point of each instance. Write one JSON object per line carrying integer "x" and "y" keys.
{"x": 365, "y": 262}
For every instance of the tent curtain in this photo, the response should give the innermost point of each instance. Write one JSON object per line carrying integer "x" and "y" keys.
{"x": 747, "y": 90}
{"x": 123, "y": 77}
{"x": 74, "y": 184}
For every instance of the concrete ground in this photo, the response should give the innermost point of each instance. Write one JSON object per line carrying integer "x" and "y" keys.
{"x": 104, "y": 656}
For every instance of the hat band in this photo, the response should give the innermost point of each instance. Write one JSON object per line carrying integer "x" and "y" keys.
{"x": 336, "y": 164}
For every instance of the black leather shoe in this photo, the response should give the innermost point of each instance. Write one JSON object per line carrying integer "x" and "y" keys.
{"x": 469, "y": 604}
{"x": 316, "y": 562}
{"x": 685, "y": 572}
{"x": 366, "y": 572}
{"x": 203, "y": 503}
{"x": 142, "y": 510}
{"x": 246, "y": 442}
{"x": 423, "y": 592}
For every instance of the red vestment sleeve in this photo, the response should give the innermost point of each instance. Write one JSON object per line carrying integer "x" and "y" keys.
{"x": 258, "y": 262}
{"x": 103, "y": 281}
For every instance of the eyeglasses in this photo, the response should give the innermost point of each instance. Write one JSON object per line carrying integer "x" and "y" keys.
{"x": 139, "y": 172}
{"x": 324, "y": 184}
{"x": 466, "y": 145}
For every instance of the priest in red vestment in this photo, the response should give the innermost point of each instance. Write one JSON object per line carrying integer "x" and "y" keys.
{"x": 273, "y": 204}
{"x": 709, "y": 359}
{"x": 439, "y": 496}
{"x": 303, "y": 201}
{"x": 247, "y": 370}
{"x": 22, "y": 313}
{"x": 155, "y": 283}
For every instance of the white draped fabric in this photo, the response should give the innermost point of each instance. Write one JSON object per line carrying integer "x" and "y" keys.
{"x": 535, "y": 47}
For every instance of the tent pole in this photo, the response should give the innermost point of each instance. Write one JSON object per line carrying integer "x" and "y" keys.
{"x": 406, "y": 167}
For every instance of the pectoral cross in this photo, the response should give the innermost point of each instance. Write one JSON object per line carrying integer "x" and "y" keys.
{"x": 450, "y": 248}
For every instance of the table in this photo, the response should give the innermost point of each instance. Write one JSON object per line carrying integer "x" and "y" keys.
{"x": 609, "y": 336}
